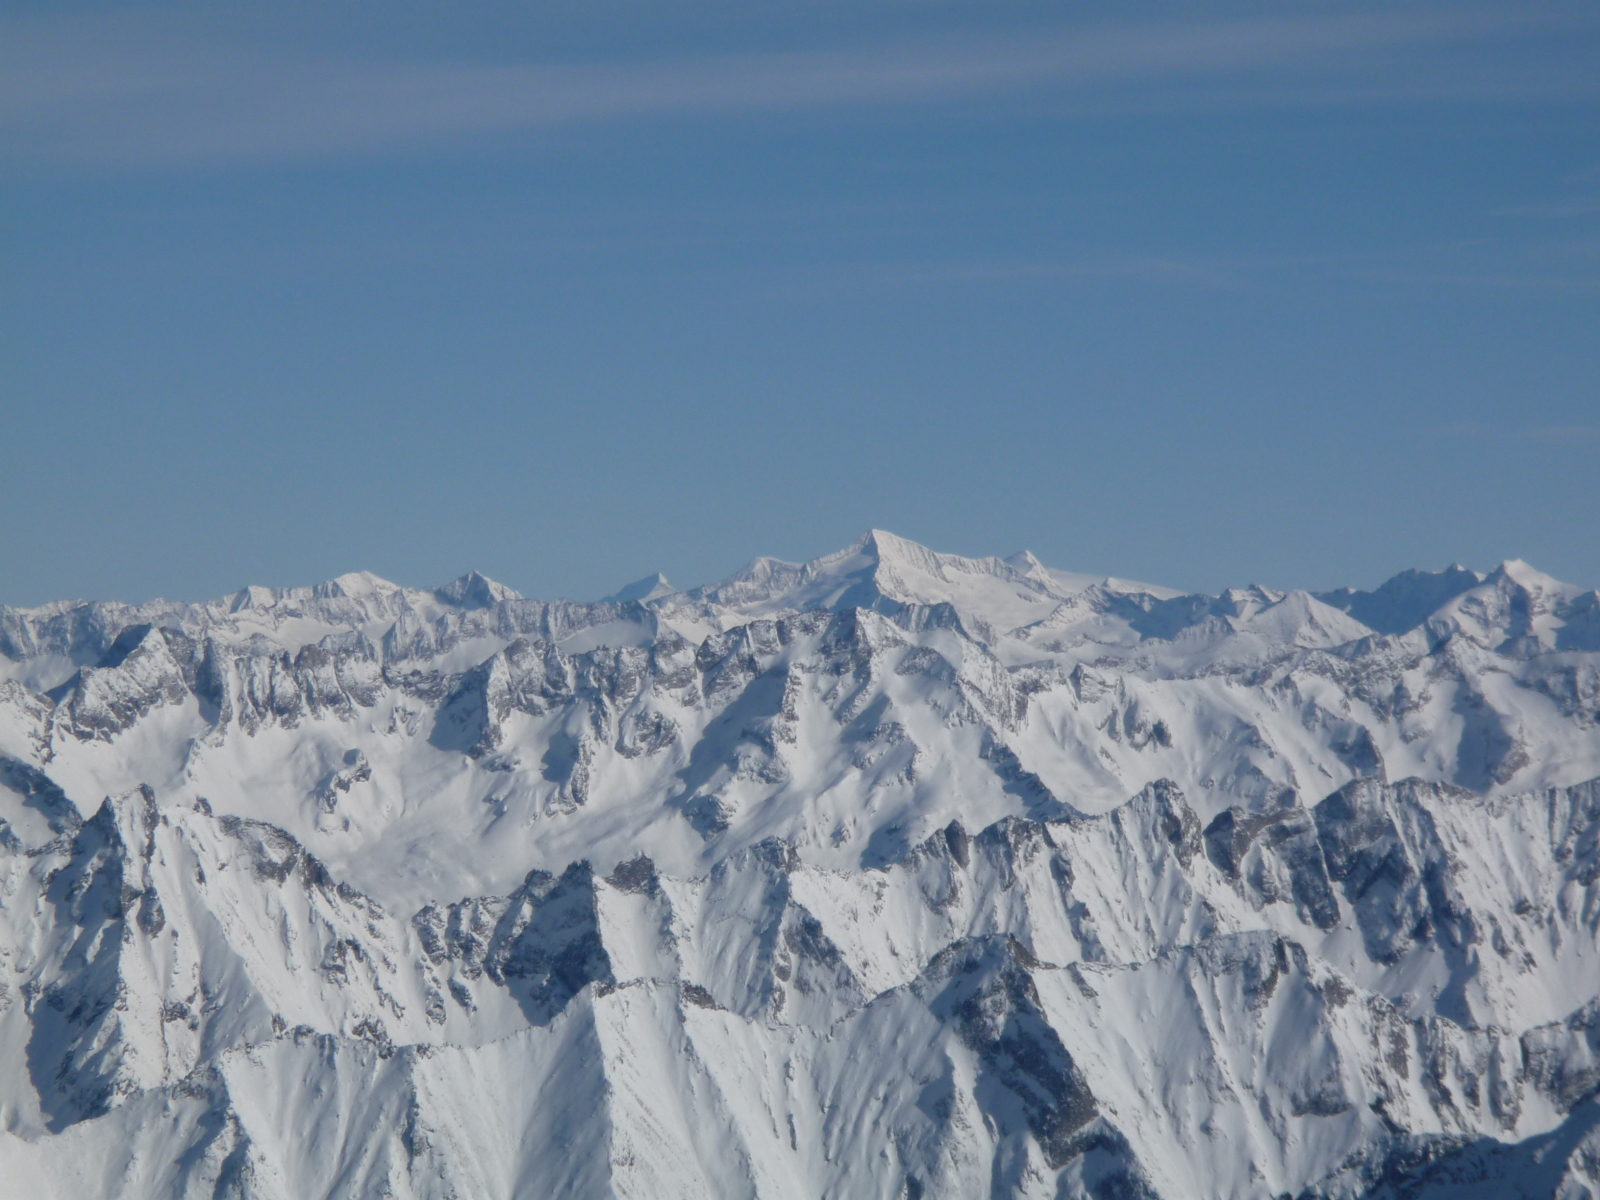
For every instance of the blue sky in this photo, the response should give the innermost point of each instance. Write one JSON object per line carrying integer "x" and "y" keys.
{"x": 1298, "y": 294}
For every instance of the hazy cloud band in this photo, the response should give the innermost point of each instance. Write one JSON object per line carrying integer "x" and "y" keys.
{"x": 108, "y": 93}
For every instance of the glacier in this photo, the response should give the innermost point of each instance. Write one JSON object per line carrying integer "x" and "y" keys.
{"x": 894, "y": 874}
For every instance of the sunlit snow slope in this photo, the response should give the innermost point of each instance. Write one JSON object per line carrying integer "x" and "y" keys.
{"x": 891, "y": 875}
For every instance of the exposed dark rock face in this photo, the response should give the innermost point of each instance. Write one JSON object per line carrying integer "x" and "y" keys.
{"x": 985, "y": 990}
{"x": 1264, "y": 850}
{"x": 542, "y": 943}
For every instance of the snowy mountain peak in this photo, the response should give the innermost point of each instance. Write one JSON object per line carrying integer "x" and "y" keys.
{"x": 1069, "y": 584}
{"x": 1404, "y": 601}
{"x": 1520, "y": 611}
{"x": 473, "y": 590}
{"x": 356, "y": 588}
{"x": 1532, "y": 580}
{"x": 889, "y": 574}
{"x": 251, "y": 597}
{"x": 651, "y": 587}
{"x": 1247, "y": 601}
{"x": 356, "y": 585}
{"x": 1026, "y": 562}
{"x": 913, "y": 574}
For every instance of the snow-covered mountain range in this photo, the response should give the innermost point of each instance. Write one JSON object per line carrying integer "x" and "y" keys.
{"x": 891, "y": 875}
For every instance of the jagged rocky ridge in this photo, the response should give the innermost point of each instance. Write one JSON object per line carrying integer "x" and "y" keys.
{"x": 894, "y": 874}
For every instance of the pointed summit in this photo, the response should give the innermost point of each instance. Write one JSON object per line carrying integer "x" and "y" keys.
{"x": 651, "y": 587}
{"x": 1531, "y": 580}
{"x": 473, "y": 590}
{"x": 254, "y": 596}
{"x": 888, "y": 573}
{"x": 1025, "y": 561}
{"x": 1404, "y": 601}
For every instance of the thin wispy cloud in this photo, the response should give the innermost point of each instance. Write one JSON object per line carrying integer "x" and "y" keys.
{"x": 1480, "y": 431}
{"x": 111, "y": 92}
{"x": 1569, "y": 266}
{"x": 1208, "y": 273}
{"x": 1554, "y": 210}
{"x": 1515, "y": 280}
{"x": 1560, "y": 433}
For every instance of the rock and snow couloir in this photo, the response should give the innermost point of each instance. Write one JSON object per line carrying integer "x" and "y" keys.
{"x": 894, "y": 874}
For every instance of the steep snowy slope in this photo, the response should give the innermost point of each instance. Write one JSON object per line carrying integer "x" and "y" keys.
{"x": 892, "y": 874}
